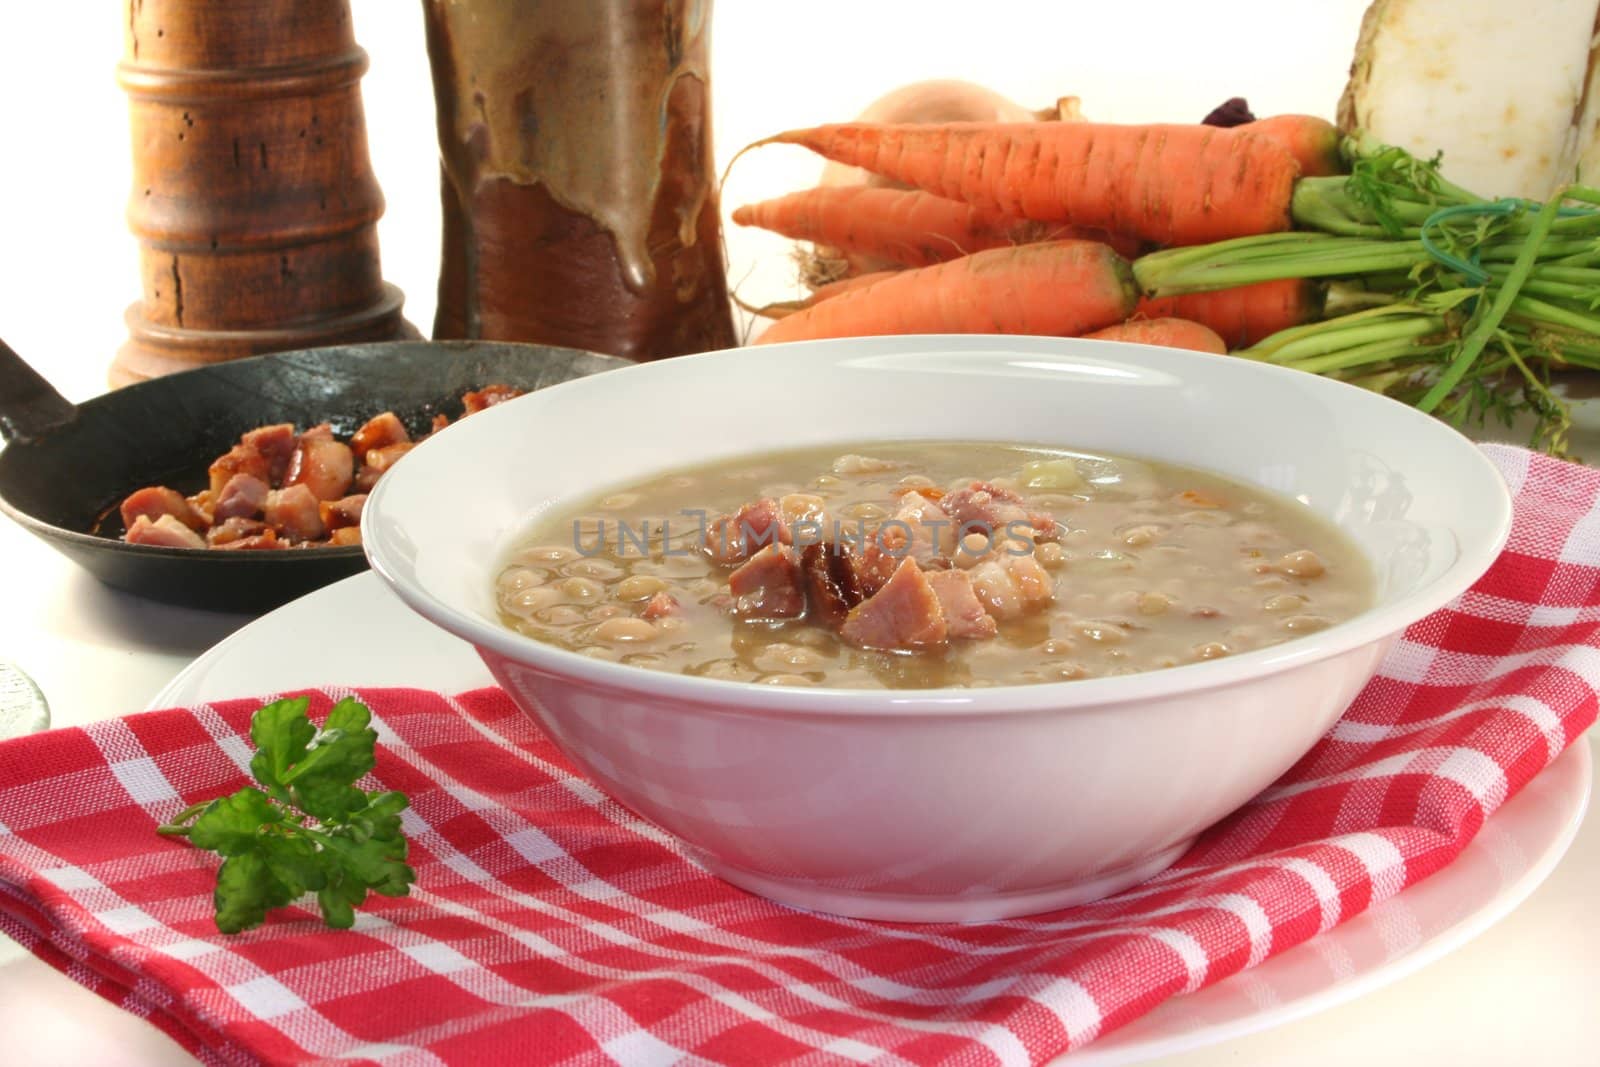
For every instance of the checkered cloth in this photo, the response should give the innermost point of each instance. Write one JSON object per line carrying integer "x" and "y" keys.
{"x": 551, "y": 926}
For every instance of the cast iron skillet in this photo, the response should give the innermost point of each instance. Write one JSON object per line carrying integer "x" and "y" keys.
{"x": 66, "y": 468}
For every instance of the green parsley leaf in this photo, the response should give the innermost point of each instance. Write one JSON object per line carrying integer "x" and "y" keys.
{"x": 310, "y": 828}
{"x": 320, "y": 782}
{"x": 232, "y": 825}
{"x": 281, "y": 731}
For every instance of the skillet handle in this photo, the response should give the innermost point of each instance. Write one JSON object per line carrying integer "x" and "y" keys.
{"x": 29, "y": 406}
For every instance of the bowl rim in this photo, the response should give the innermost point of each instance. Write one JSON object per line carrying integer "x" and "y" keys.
{"x": 1372, "y": 625}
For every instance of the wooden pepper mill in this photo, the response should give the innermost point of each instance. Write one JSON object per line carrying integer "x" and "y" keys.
{"x": 254, "y": 201}
{"x": 579, "y": 189}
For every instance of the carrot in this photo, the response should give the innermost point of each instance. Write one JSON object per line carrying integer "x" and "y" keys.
{"x": 1168, "y": 333}
{"x": 1313, "y": 142}
{"x": 1198, "y": 498}
{"x": 784, "y": 308}
{"x": 907, "y": 227}
{"x": 902, "y": 226}
{"x": 1243, "y": 314}
{"x": 1060, "y": 288}
{"x": 932, "y": 492}
{"x": 1176, "y": 185}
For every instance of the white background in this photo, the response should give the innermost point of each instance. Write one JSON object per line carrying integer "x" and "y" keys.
{"x": 68, "y": 266}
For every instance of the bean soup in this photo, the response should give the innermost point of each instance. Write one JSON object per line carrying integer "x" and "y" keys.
{"x": 929, "y": 565}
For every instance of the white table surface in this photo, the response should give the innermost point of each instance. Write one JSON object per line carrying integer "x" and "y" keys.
{"x": 1522, "y": 992}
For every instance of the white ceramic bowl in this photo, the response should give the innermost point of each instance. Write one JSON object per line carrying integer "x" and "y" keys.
{"x": 927, "y": 805}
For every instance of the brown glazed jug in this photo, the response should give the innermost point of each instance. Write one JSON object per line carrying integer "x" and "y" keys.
{"x": 254, "y": 201}
{"x": 579, "y": 191}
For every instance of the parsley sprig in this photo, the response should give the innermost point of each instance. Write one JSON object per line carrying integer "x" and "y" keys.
{"x": 309, "y": 828}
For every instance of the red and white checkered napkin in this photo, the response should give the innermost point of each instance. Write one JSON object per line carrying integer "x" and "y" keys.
{"x": 549, "y": 925}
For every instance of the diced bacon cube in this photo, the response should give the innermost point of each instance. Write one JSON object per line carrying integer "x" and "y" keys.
{"x": 293, "y": 512}
{"x": 262, "y": 453}
{"x": 234, "y": 529}
{"x": 989, "y": 508}
{"x": 204, "y": 504}
{"x": 903, "y": 616}
{"x": 345, "y": 535}
{"x": 321, "y": 464}
{"x": 768, "y": 585}
{"x": 964, "y": 614}
{"x": 275, "y": 444}
{"x": 266, "y": 540}
{"x": 733, "y": 538}
{"x": 380, "y": 431}
{"x": 154, "y": 501}
{"x": 886, "y": 550}
{"x": 661, "y": 604}
{"x": 376, "y": 462}
{"x": 932, "y": 530}
{"x": 238, "y": 460}
{"x": 832, "y": 584}
{"x": 165, "y": 532}
{"x": 243, "y": 497}
{"x": 1009, "y": 586}
{"x": 342, "y": 513}
{"x": 488, "y": 397}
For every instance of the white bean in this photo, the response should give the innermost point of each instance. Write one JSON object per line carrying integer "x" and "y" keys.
{"x": 528, "y": 601}
{"x": 625, "y": 630}
{"x": 560, "y": 615}
{"x": 784, "y": 679}
{"x": 850, "y": 463}
{"x": 864, "y": 509}
{"x": 1139, "y": 536}
{"x": 775, "y": 656}
{"x": 1049, "y": 554}
{"x": 1154, "y": 604}
{"x": 640, "y": 587}
{"x": 583, "y": 590}
{"x": 1103, "y": 632}
{"x": 602, "y": 569}
{"x": 547, "y": 554}
{"x": 1302, "y": 564}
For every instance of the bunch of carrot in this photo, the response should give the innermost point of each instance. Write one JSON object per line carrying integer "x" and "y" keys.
{"x": 1029, "y": 227}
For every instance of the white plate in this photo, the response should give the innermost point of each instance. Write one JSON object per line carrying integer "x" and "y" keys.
{"x": 357, "y": 633}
